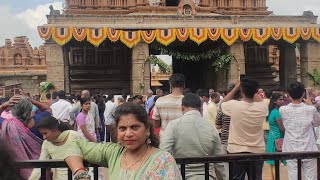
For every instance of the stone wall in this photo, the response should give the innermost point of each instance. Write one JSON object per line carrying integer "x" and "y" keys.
{"x": 310, "y": 60}
{"x": 55, "y": 65}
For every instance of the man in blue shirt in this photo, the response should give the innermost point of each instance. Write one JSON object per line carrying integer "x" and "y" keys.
{"x": 150, "y": 100}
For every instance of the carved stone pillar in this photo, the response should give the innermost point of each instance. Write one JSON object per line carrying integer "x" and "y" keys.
{"x": 140, "y": 76}
{"x": 287, "y": 64}
{"x": 55, "y": 65}
{"x": 238, "y": 63}
{"x": 310, "y": 60}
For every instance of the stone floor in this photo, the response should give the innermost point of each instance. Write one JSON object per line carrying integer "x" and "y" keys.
{"x": 267, "y": 173}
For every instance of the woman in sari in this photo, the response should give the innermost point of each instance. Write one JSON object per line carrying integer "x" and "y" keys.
{"x": 8, "y": 164}
{"x": 57, "y": 139}
{"x": 276, "y": 130}
{"x": 85, "y": 121}
{"x": 15, "y": 131}
{"x": 135, "y": 156}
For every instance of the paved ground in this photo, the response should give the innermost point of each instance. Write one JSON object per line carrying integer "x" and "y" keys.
{"x": 267, "y": 173}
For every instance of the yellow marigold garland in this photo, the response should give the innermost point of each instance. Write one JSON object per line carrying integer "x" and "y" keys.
{"x": 79, "y": 33}
{"x": 291, "y": 37}
{"x": 164, "y": 38}
{"x": 94, "y": 39}
{"x": 130, "y": 41}
{"x": 261, "y": 35}
{"x": 148, "y": 36}
{"x": 62, "y": 35}
{"x": 198, "y": 35}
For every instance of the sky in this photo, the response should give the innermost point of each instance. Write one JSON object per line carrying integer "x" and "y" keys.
{"x": 21, "y": 17}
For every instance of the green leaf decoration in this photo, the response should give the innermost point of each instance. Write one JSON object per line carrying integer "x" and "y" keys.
{"x": 314, "y": 77}
{"x": 164, "y": 67}
{"x": 46, "y": 87}
{"x": 220, "y": 61}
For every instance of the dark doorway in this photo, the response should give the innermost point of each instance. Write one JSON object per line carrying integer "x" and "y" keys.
{"x": 172, "y": 2}
{"x": 199, "y": 75}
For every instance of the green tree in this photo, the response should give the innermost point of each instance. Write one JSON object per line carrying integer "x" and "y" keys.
{"x": 314, "y": 77}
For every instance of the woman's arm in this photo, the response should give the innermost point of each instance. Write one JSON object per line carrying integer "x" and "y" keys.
{"x": 280, "y": 125}
{"x": 87, "y": 134}
{"x": 12, "y": 101}
{"x": 41, "y": 106}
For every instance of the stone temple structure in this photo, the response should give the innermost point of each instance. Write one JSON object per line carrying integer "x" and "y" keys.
{"x": 103, "y": 45}
{"x": 21, "y": 66}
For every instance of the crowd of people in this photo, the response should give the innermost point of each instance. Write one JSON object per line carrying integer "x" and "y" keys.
{"x": 139, "y": 137}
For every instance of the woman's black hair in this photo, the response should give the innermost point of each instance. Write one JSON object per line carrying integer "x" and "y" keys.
{"x": 273, "y": 99}
{"x": 8, "y": 166}
{"x": 49, "y": 122}
{"x": 84, "y": 100}
{"x": 141, "y": 115}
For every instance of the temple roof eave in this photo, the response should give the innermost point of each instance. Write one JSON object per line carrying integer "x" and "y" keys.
{"x": 173, "y": 21}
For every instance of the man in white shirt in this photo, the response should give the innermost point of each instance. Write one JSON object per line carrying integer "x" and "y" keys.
{"x": 168, "y": 107}
{"x": 61, "y": 109}
{"x": 206, "y": 101}
{"x": 246, "y": 133}
{"x": 299, "y": 119}
{"x": 108, "y": 117}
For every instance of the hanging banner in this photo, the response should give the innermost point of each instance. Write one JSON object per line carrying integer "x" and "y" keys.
{"x": 148, "y": 36}
{"x": 261, "y": 35}
{"x": 61, "y": 35}
{"x": 316, "y": 34}
{"x": 96, "y": 36}
{"x": 214, "y": 33}
{"x": 229, "y": 36}
{"x": 79, "y": 33}
{"x": 182, "y": 34}
{"x": 276, "y": 33}
{"x": 245, "y": 34}
{"x": 291, "y": 35}
{"x": 198, "y": 35}
{"x": 113, "y": 34}
{"x": 305, "y": 33}
{"x": 166, "y": 36}
{"x": 130, "y": 38}
{"x": 44, "y": 32}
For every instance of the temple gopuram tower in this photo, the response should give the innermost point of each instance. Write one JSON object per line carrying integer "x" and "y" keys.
{"x": 104, "y": 45}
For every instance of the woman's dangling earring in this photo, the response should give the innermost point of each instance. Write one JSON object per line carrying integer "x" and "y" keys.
{"x": 148, "y": 141}
{"x": 120, "y": 143}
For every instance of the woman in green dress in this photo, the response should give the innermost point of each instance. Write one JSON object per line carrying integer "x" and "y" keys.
{"x": 276, "y": 127}
{"x": 135, "y": 156}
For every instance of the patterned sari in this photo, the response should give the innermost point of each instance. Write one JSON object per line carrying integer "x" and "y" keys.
{"x": 25, "y": 145}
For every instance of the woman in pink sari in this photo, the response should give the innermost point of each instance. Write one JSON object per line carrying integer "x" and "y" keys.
{"x": 15, "y": 132}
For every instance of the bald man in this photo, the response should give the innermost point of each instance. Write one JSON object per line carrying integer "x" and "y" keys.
{"x": 93, "y": 110}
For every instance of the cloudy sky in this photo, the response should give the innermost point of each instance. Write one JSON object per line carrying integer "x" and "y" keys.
{"x": 21, "y": 17}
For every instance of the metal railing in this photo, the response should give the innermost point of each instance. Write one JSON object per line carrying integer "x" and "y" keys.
{"x": 230, "y": 158}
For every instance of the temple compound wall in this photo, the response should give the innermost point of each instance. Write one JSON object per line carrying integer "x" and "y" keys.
{"x": 22, "y": 66}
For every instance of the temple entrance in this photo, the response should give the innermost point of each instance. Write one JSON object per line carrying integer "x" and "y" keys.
{"x": 104, "y": 69}
{"x": 199, "y": 74}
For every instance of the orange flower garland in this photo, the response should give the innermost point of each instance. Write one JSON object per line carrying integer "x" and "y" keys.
{"x": 182, "y": 34}
{"x": 198, "y": 35}
{"x": 61, "y": 35}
